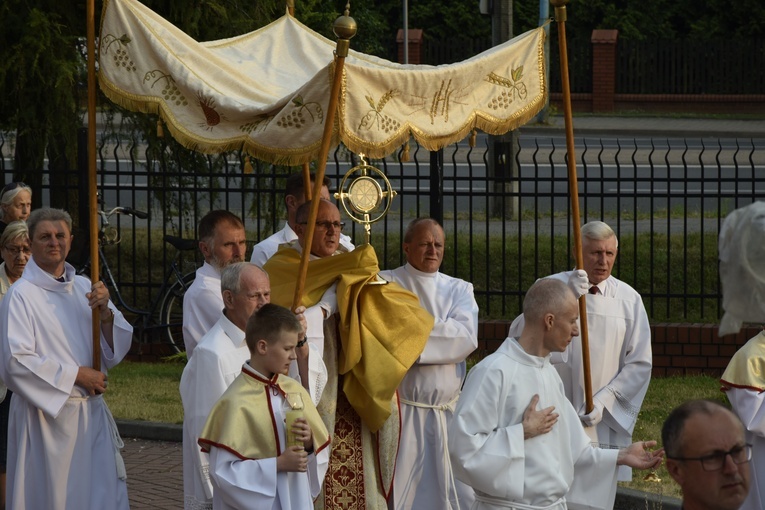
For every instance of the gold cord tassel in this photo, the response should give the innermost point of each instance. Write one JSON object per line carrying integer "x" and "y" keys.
{"x": 405, "y": 153}
{"x": 160, "y": 129}
{"x": 473, "y": 136}
{"x": 248, "y": 166}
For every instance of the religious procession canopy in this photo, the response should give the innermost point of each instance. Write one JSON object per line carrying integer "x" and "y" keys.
{"x": 267, "y": 92}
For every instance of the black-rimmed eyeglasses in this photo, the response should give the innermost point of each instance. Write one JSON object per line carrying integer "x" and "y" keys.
{"x": 716, "y": 461}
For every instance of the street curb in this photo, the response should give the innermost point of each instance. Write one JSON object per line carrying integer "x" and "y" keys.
{"x": 626, "y": 499}
{"x": 152, "y": 431}
{"x": 631, "y": 499}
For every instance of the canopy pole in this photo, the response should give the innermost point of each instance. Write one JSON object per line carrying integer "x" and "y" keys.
{"x": 92, "y": 190}
{"x": 344, "y": 28}
{"x": 560, "y": 18}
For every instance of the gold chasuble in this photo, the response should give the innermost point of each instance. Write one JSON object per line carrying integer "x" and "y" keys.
{"x": 747, "y": 367}
{"x": 242, "y": 420}
{"x": 383, "y": 329}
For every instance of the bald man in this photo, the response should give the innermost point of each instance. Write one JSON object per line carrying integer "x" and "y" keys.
{"x": 515, "y": 438}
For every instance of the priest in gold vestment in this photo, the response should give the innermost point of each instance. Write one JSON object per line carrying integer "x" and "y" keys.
{"x": 371, "y": 334}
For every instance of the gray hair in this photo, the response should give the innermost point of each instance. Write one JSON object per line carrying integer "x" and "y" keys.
{"x": 414, "y": 224}
{"x": 8, "y": 196}
{"x": 47, "y": 214}
{"x": 546, "y": 295}
{"x": 231, "y": 276}
{"x": 598, "y": 231}
{"x": 672, "y": 430}
{"x": 14, "y": 230}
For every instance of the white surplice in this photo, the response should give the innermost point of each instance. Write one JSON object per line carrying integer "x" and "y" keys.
{"x": 263, "y": 251}
{"x": 217, "y": 361}
{"x": 620, "y": 364}
{"x": 202, "y": 304}
{"x": 488, "y": 450}
{"x": 255, "y": 484}
{"x": 430, "y": 390}
{"x": 62, "y": 444}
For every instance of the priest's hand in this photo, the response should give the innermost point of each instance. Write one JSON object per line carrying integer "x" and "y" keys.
{"x": 93, "y": 381}
{"x": 638, "y": 456}
{"x": 535, "y": 423}
{"x": 300, "y": 316}
{"x": 294, "y": 458}
{"x": 579, "y": 282}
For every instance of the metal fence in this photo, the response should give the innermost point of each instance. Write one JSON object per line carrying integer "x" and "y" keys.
{"x": 507, "y": 224}
{"x": 720, "y": 66}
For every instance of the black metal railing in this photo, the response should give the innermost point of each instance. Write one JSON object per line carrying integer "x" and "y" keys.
{"x": 666, "y": 199}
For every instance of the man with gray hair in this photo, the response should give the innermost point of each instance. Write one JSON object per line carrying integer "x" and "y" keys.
{"x": 217, "y": 361}
{"x": 620, "y": 349}
{"x": 63, "y": 444}
{"x": 707, "y": 455}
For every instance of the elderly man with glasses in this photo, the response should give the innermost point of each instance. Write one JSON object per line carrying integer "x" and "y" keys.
{"x": 707, "y": 455}
{"x": 370, "y": 334}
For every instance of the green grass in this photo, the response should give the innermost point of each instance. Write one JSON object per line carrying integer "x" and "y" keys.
{"x": 146, "y": 392}
{"x": 149, "y": 392}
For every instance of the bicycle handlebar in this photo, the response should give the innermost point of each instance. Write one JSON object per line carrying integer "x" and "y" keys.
{"x": 125, "y": 210}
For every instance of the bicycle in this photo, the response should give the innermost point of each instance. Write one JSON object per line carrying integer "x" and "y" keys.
{"x": 167, "y": 304}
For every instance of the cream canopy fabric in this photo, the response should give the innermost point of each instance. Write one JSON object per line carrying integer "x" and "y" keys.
{"x": 267, "y": 92}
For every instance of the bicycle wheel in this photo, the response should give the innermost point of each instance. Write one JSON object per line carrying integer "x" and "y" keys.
{"x": 171, "y": 312}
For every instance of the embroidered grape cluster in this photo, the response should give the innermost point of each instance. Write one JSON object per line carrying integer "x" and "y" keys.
{"x": 122, "y": 59}
{"x": 501, "y": 101}
{"x": 172, "y": 94}
{"x": 294, "y": 119}
{"x": 388, "y": 124}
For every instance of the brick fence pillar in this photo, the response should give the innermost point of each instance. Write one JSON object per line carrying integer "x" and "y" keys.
{"x": 603, "y": 69}
{"x": 415, "y": 45}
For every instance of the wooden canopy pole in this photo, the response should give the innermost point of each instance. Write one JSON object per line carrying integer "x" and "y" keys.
{"x": 344, "y": 28}
{"x": 560, "y": 18}
{"x": 92, "y": 190}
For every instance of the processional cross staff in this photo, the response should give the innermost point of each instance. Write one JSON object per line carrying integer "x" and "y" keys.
{"x": 92, "y": 191}
{"x": 573, "y": 187}
{"x": 345, "y": 28}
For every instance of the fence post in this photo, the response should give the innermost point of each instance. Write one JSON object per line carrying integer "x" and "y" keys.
{"x": 437, "y": 185}
{"x": 603, "y": 69}
{"x": 504, "y": 175}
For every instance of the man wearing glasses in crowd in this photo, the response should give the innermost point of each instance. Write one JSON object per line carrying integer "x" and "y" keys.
{"x": 707, "y": 455}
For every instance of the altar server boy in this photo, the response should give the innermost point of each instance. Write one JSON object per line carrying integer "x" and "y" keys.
{"x": 251, "y": 464}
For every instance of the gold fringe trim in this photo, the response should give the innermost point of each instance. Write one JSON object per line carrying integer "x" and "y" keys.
{"x": 293, "y": 157}
{"x": 405, "y": 153}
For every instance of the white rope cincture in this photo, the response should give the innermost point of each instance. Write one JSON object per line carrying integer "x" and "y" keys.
{"x": 441, "y": 409}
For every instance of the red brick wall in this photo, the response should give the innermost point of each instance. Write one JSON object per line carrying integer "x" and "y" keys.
{"x": 678, "y": 349}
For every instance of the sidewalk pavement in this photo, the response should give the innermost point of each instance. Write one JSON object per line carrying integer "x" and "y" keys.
{"x": 153, "y": 457}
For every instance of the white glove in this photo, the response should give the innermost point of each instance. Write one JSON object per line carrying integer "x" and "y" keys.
{"x": 579, "y": 282}
{"x": 592, "y": 419}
